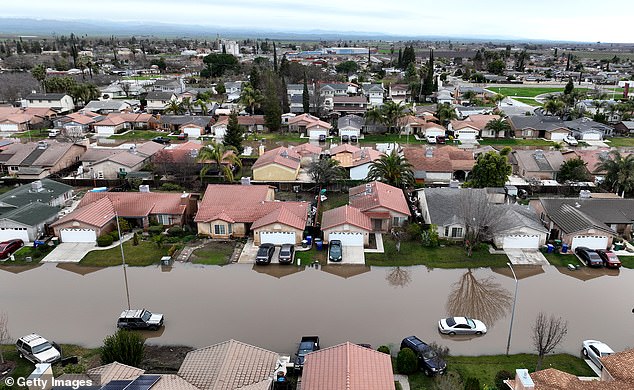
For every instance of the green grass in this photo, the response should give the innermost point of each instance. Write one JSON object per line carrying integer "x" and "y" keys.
{"x": 28, "y": 251}
{"x": 562, "y": 260}
{"x": 621, "y": 141}
{"x": 276, "y": 137}
{"x": 215, "y": 253}
{"x": 33, "y": 134}
{"x": 529, "y": 101}
{"x": 450, "y": 256}
{"x": 527, "y": 92}
{"x": 515, "y": 142}
{"x": 310, "y": 256}
{"x": 382, "y": 138}
{"x": 146, "y": 253}
{"x": 139, "y": 134}
{"x": 627, "y": 261}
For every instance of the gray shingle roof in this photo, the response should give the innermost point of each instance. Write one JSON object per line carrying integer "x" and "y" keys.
{"x": 31, "y": 214}
{"x": 45, "y": 96}
{"x": 516, "y": 216}
{"x": 178, "y": 120}
{"x": 351, "y": 120}
{"x": 444, "y": 205}
{"x": 608, "y": 211}
{"x": 158, "y": 95}
{"x": 570, "y": 218}
{"x": 537, "y": 122}
{"x": 24, "y": 194}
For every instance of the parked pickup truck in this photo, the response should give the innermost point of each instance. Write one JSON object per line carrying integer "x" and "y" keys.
{"x": 307, "y": 345}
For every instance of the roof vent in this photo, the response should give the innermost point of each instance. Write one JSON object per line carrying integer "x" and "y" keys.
{"x": 429, "y": 152}
{"x": 284, "y": 154}
{"x": 42, "y": 145}
{"x": 539, "y": 153}
{"x": 368, "y": 188}
{"x": 585, "y": 194}
{"x": 36, "y": 186}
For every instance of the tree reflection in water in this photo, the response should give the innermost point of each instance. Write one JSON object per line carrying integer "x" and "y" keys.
{"x": 483, "y": 299}
{"x": 398, "y": 277}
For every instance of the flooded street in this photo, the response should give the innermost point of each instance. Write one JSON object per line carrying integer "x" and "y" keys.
{"x": 273, "y": 307}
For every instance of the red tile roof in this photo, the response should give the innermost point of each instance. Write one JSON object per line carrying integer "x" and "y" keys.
{"x": 307, "y": 149}
{"x": 365, "y": 155}
{"x": 180, "y": 153}
{"x": 477, "y": 121}
{"x": 243, "y": 120}
{"x": 292, "y": 214}
{"x": 368, "y": 197}
{"x": 347, "y": 367}
{"x": 282, "y": 156}
{"x": 303, "y": 119}
{"x": 345, "y": 215}
{"x": 443, "y": 159}
{"x": 344, "y": 148}
{"x": 97, "y": 213}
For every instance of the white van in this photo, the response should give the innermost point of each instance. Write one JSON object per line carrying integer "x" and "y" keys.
{"x": 53, "y": 133}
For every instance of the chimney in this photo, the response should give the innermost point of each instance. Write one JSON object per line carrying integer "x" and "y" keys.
{"x": 245, "y": 180}
{"x": 523, "y": 381}
{"x": 429, "y": 152}
{"x": 184, "y": 199}
{"x": 41, "y": 378}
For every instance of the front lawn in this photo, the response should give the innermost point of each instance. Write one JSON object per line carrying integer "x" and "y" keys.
{"x": 146, "y": 253}
{"x": 312, "y": 255}
{"x": 627, "y": 261}
{"x": 620, "y": 141}
{"x": 88, "y": 358}
{"x": 139, "y": 135}
{"x": 527, "y": 92}
{"x": 36, "y": 254}
{"x": 384, "y": 138}
{"x": 484, "y": 368}
{"x": 515, "y": 142}
{"x": 214, "y": 253}
{"x": 449, "y": 256}
{"x": 33, "y": 134}
{"x": 529, "y": 101}
{"x": 562, "y": 259}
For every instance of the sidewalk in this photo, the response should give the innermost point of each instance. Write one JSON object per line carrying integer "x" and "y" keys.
{"x": 379, "y": 244}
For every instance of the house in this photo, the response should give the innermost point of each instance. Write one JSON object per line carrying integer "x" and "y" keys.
{"x": 623, "y": 127}
{"x": 374, "y": 93}
{"x": 444, "y": 96}
{"x": 385, "y": 205}
{"x": 348, "y": 366}
{"x": 234, "y": 89}
{"x": 26, "y": 211}
{"x": 410, "y": 124}
{"x": 122, "y": 90}
{"x": 357, "y": 161}
{"x": 169, "y": 85}
{"x": 318, "y": 129}
{"x": 288, "y": 116}
{"x": 157, "y": 102}
{"x": 279, "y": 164}
{"x": 180, "y": 160}
{"x": 538, "y": 126}
{"x": 465, "y": 111}
{"x": 308, "y": 152}
{"x": 109, "y": 163}
{"x": 615, "y": 374}
{"x": 298, "y": 89}
{"x": 539, "y": 164}
{"x": 350, "y": 125}
{"x": 111, "y": 106}
{"x": 37, "y": 160}
{"x": 399, "y": 93}
{"x": 249, "y": 123}
{"x": 442, "y": 207}
{"x": 238, "y": 210}
{"x": 193, "y": 126}
{"x": 586, "y": 129}
{"x": 96, "y": 213}
{"x": 78, "y": 123}
{"x": 61, "y": 103}
{"x": 329, "y": 91}
{"x": 118, "y": 122}
{"x": 350, "y": 104}
{"x": 298, "y": 123}
{"x": 592, "y": 158}
{"x": 229, "y": 365}
{"x": 16, "y": 119}
{"x": 474, "y": 126}
{"x": 347, "y": 224}
{"x": 441, "y": 164}
{"x": 519, "y": 227}
{"x": 431, "y": 129}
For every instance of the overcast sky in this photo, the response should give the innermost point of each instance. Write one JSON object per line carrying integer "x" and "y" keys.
{"x": 574, "y": 20}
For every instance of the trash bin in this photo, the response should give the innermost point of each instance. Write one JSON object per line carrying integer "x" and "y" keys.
{"x": 550, "y": 248}
{"x": 618, "y": 246}
{"x": 304, "y": 244}
{"x": 564, "y": 248}
{"x": 319, "y": 244}
{"x": 309, "y": 240}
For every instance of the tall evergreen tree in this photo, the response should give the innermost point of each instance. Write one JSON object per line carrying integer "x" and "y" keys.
{"x": 569, "y": 87}
{"x": 399, "y": 64}
{"x": 305, "y": 96}
{"x": 272, "y": 107}
{"x": 233, "y": 136}
{"x": 274, "y": 57}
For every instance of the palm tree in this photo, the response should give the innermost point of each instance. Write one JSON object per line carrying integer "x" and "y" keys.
{"x": 497, "y": 98}
{"x": 174, "y": 107}
{"x": 620, "y": 172}
{"x": 445, "y": 113}
{"x": 326, "y": 171}
{"x": 250, "y": 97}
{"x": 225, "y": 158}
{"x": 187, "y": 105}
{"x": 392, "y": 113}
{"x": 374, "y": 116}
{"x": 497, "y": 126}
{"x": 202, "y": 104}
{"x": 392, "y": 169}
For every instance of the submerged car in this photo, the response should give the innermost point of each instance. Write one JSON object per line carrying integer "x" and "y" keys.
{"x": 265, "y": 254}
{"x": 595, "y": 350}
{"x": 37, "y": 349}
{"x": 162, "y": 140}
{"x": 335, "y": 252}
{"x": 461, "y": 325}
{"x": 139, "y": 319}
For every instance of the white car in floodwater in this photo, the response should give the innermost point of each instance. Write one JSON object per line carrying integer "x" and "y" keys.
{"x": 461, "y": 325}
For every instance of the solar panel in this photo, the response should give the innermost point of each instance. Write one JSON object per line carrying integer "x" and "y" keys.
{"x": 144, "y": 382}
{"x": 116, "y": 385}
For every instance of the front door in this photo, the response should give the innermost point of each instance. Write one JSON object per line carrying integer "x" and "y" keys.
{"x": 377, "y": 225}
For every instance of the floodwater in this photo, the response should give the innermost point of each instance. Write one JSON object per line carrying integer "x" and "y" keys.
{"x": 274, "y": 306}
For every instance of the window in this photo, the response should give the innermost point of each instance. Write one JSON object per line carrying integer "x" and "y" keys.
{"x": 456, "y": 232}
{"x": 527, "y": 133}
{"x": 230, "y": 228}
{"x": 446, "y": 231}
{"x": 14, "y": 168}
{"x": 396, "y": 221}
{"x": 219, "y": 229}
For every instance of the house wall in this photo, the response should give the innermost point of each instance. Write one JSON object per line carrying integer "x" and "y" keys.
{"x": 275, "y": 172}
{"x": 106, "y": 131}
{"x": 438, "y": 176}
{"x": 498, "y": 239}
{"x": 344, "y": 158}
{"x": 207, "y": 229}
{"x": 12, "y": 127}
{"x": 111, "y": 226}
{"x": 347, "y": 228}
{"x": 315, "y": 132}
{"x": 111, "y": 169}
{"x": 277, "y": 227}
{"x": 71, "y": 157}
{"x": 193, "y": 131}
{"x": 360, "y": 172}
{"x": 567, "y": 238}
{"x": 443, "y": 229}
{"x": 32, "y": 230}
{"x": 66, "y": 104}
{"x": 557, "y": 135}
{"x": 386, "y": 224}
{"x": 525, "y": 133}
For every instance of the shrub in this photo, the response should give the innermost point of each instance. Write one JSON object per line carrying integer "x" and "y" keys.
{"x": 406, "y": 362}
{"x": 472, "y": 384}
{"x": 385, "y": 349}
{"x": 500, "y": 377}
{"x": 135, "y": 239}
{"x": 105, "y": 240}
{"x": 124, "y": 347}
{"x": 115, "y": 235}
{"x": 413, "y": 231}
{"x": 172, "y": 250}
{"x": 124, "y": 225}
{"x": 171, "y": 187}
{"x": 175, "y": 231}
{"x": 154, "y": 230}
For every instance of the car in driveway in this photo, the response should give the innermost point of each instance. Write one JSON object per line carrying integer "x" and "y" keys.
{"x": 162, "y": 140}
{"x": 139, "y": 319}
{"x": 428, "y": 359}
{"x": 610, "y": 259}
{"x": 595, "y": 350}
{"x": 37, "y": 349}
{"x": 7, "y": 248}
{"x": 335, "y": 251}
{"x": 287, "y": 254}
{"x": 307, "y": 345}
{"x": 589, "y": 256}
{"x": 265, "y": 253}
{"x": 461, "y": 325}
{"x": 570, "y": 140}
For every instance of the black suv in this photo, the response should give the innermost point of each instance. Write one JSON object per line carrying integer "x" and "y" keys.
{"x": 428, "y": 360}
{"x": 265, "y": 254}
{"x": 589, "y": 256}
{"x": 335, "y": 252}
{"x": 139, "y": 319}
{"x": 162, "y": 140}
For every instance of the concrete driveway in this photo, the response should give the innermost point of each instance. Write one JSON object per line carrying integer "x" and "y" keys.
{"x": 351, "y": 255}
{"x": 526, "y": 257}
{"x": 68, "y": 252}
{"x": 250, "y": 250}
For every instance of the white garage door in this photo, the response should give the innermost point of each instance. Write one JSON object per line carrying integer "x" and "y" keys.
{"x": 558, "y": 136}
{"x": 467, "y": 134}
{"x": 592, "y": 242}
{"x": 10, "y": 234}
{"x": 78, "y": 235}
{"x": 592, "y": 136}
{"x": 347, "y": 239}
{"x": 523, "y": 241}
{"x": 277, "y": 238}
{"x": 349, "y": 133}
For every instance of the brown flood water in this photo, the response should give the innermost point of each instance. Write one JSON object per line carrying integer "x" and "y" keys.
{"x": 273, "y": 307}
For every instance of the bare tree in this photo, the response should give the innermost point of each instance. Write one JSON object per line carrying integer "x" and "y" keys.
{"x": 477, "y": 215}
{"x": 4, "y": 333}
{"x": 548, "y": 332}
{"x": 398, "y": 277}
{"x": 483, "y": 299}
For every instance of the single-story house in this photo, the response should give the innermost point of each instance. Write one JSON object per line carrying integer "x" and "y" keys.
{"x": 317, "y": 129}
{"x": 538, "y": 126}
{"x": 624, "y": 127}
{"x": 228, "y": 211}
{"x": 350, "y": 125}
{"x": 193, "y": 126}
{"x": 519, "y": 227}
{"x": 298, "y": 123}
{"x": 539, "y": 164}
{"x": 474, "y": 122}
{"x": 280, "y": 164}
{"x": 78, "y": 123}
{"x": 308, "y": 152}
{"x": 385, "y": 205}
{"x": 348, "y": 366}
{"x": 411, "y": 124}
{"x": 15, "y": 119}
{"x": 588, "y": 130}
{"x": 117, "y": 122}
{"x": 109, "y": 106}
{"x": 250, "y": 124}
{"x": 108, "y": 163}
{"x": 357, "y": 161}
{"x": 442, "y": 207}
{"x": 439, "y": 164}
{"x": 95, "y": 214}
{"x": 347, "y": 224}
{"x": 37, "y": 160}
{"x": 58, "y": 102}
